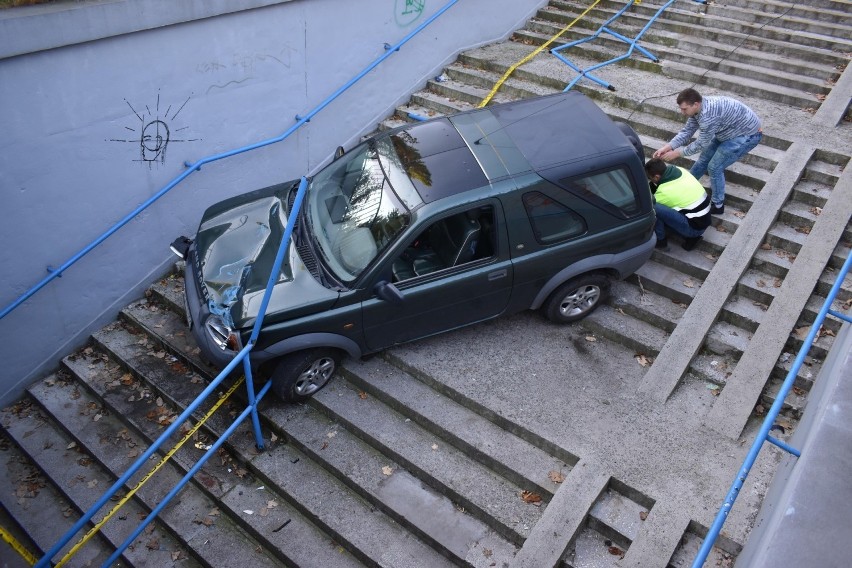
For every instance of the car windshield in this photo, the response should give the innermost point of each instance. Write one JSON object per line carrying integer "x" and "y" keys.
{"x": 358, "y": 205}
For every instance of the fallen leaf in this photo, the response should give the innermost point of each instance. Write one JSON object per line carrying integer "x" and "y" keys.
{"x": 362, "y": 395}
{"x": 434, "y": 446}
{"x": 271, "y": 504}
{"x": 689, "y": 283}
{"x": 761, "y": 283}
{"x": 556, "y": 476}
{"x": 803, "y": 230}
{"x": 721, "y": 229}
{"x": 530, "y": 497}
{"x": 799, "y": 391}
{"x": 802, "y": 332}
{"x": 739, "y": 214}
{"x": 816, "y": 210}
{"x": 591, "y": 338}
{"x": 387, "y": 470}
{"x": 759, "y": 410}
{"x": 176, "y": 555}
{"x": 332, "y": 434}
{"x": 643, "y": 359}
{"x": 643, "y": 515}
{"x": 777, "y": 282}
{"x": 71, "y": 446}
{"x": 766, "y": 246}
{"x": 487, "y": 552}
{"x": 615, "y": 551}
{"x": 324, "y": 445}
{"x": 153, "y": 544}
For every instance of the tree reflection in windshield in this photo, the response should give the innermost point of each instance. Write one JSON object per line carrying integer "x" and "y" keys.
{"x": 410, "y": 158}
{"x": 354, "y": 212}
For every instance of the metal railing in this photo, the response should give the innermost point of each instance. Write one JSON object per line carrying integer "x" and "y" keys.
{"x": 196, "y": 166}
{"x": 632, "y": 43}
{"x": 241, "y": 357}
{"x": 769, "y": 421}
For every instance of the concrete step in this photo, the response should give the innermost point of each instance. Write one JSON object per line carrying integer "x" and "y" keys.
{"x": 135, "y": 415}
{"x": 80, "y": 476}
{"x": 307, "y": 430}
{"x": 515, "y": 459}
{"x": 36, "y": 503}
{"x": 729, "y": 20}
{"x": 798, "y": 76}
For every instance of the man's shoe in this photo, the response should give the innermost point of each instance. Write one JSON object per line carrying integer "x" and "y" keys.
{"x": 689, "y": 244}
{"x": 717, "y": 210}
{"x": 662, "y": 244}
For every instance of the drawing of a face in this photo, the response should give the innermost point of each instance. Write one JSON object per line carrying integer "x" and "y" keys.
{"x": 153, "y": 134}
{"x": 155, "y": 138}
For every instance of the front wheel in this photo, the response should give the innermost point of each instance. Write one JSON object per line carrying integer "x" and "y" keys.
{"x": 577, "y": 298}
{"x": 298, "y": 376}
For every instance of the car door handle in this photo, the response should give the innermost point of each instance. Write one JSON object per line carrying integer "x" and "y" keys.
{"x": 497, "y": 275}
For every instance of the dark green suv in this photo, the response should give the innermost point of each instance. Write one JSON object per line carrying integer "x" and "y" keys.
{"x": 534, "y": 204}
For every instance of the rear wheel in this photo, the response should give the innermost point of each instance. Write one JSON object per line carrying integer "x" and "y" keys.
{"x": 577, "y": 298}
{"x": 298, "y": 376}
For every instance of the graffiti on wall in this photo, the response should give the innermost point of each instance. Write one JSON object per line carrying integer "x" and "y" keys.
{"x": 407, "y": 11}
{"x": 154, "y": 131}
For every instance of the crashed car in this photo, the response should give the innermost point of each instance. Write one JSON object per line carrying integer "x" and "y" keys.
{"x": 536, "y": 204}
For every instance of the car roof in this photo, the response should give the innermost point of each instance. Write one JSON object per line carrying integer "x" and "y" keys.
{"x": 559, "y": 128}
{"x": 453, "y": 154}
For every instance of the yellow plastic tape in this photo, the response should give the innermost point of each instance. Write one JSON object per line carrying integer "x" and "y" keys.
{"x": 86, "y": 537}
{"x": 17, "y": 547}
{"x": 541, "y": 48}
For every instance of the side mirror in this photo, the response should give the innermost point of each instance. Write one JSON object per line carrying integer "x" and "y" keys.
{"x": 339, "y": 152}
{"x": 389, "y": 293}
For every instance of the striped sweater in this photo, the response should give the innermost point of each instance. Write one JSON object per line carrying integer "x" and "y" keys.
{"x": 722, "y": 118}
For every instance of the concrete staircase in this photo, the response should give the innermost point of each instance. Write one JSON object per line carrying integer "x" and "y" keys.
{"x": 401, "y": 463}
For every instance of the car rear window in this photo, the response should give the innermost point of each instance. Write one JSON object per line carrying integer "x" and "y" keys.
{"x": 552, "y": 221}
{"x": 610, "y": 189}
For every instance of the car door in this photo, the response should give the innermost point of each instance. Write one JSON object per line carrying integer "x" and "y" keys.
{"x": 444, "y": 290}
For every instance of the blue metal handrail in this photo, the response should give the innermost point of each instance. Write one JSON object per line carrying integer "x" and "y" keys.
{"x": 633, "y": 43}
{"x": 769, "y": 421}
{"x": 196, "y": 166}
{"x": 241, "y": 357}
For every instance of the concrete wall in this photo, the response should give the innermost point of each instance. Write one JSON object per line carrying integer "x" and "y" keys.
{"x": 87, "y": 87}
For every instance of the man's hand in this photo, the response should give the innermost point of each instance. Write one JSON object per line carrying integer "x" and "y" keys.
{"x": 670, "y": 155}
{"x": 662, "y": 151}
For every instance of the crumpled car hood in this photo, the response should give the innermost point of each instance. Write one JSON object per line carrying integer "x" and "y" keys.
{"x": 236, "y": 245}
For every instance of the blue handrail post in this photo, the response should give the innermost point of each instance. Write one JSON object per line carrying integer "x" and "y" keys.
{"x": 283, "y": 247}
{"x": 604, "y": 28}
{"x": 763, "y": 434}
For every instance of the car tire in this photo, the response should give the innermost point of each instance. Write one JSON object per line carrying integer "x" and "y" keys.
{"x": 577, "y": 298}
{"x": 300, "y": 375}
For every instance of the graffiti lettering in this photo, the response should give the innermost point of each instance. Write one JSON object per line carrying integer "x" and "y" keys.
{"x": 407, "y": 11}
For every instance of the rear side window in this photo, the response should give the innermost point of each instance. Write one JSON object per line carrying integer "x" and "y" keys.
{"x": 552, "y": 221}
{"x": 609, "y": 189}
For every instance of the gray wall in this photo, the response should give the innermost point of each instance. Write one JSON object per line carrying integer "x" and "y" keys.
{"x": 82, "y": 82}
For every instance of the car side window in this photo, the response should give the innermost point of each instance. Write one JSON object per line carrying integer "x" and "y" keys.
{"x": 452, "y": 241}
{"x": 551, "y": 221}
{"x": 610, "y": 188}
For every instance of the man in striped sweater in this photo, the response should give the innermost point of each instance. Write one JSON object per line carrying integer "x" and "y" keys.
{"x": 728, "y": 131}
{"x": 681, "y": 204}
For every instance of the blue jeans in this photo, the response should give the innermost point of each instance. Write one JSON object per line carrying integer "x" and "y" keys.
{"x": 718, "y": 156}
{"x": 674, "y": 220}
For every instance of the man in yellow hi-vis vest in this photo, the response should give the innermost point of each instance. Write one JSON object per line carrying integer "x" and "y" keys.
{"x": 681, "y": 203}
